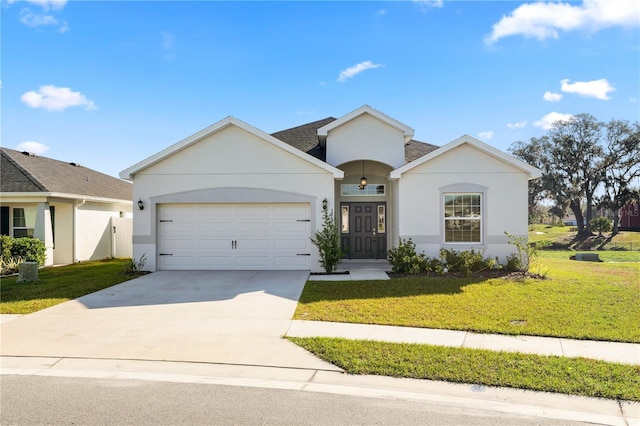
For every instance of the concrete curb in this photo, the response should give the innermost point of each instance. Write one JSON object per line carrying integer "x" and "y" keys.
{"x": 504, "y": 400}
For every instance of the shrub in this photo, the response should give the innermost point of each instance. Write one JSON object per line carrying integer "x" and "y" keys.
{"x": 601, "y": 224}
{"x": 5, "y": 248}
{"x": 30, "y": 249}
{"x": 466, "y": 262}
{"x": 405, "y": 260}
{"x": 526, "y": 252}
{"x": 328, "y": 241}
{"x": 513, "y": 263}
{"x": 134, "y": 266}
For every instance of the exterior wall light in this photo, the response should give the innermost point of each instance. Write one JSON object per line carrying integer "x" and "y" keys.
{"x": 363, "y": 179}
{"x": 140, "y": 204}
{"x": 325, "y": 204}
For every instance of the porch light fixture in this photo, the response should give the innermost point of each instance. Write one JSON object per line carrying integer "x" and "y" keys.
{"x": 325, "y": 204}
{"x": 363, "y": 179}
{"x": 140, "y": 204}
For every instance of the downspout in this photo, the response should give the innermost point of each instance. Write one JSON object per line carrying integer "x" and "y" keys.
{"x": 76, "y": 204}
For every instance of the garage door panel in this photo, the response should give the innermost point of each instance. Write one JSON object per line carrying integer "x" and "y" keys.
{"x": 253, "y": 261}
{"x": 177, "y": 227}
{"x": 291, "y": 212}
{"x": 177, "y": 262}
{"x": 234, "y": 236}
{"x": 177, "y": 244}
{"x": 295, "y": 227}
{"x": 215, "y": 212}
{"x": 252, "y": 211}
{"x": 291, "y": 261}
{"x": 215, "y": 243}
{"x": 209, "y": 262}
{"x": 289, "y": 244}
{"x": 216, "y": 227}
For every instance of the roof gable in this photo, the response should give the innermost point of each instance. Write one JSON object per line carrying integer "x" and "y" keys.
{"x": 24, "y": 172}
{"x": 216, "y": 127}
{"x": 481, "y": 146}
{"x": 366, "y": 109}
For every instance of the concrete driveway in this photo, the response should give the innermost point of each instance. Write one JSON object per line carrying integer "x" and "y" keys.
{"x": 230, "y": 317}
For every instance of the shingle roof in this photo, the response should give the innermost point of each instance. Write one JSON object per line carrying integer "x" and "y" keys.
{"x": 22, "y": 172}
{"x": 305, "y": 138}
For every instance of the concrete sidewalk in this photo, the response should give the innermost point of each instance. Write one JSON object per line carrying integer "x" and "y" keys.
{"x": 625, "y": 353}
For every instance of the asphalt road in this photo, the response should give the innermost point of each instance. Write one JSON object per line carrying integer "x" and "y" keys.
{"x": 33, "y": 400}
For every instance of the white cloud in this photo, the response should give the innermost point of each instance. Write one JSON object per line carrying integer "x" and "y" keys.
{"x": 486, "y": 135}
{"x": 545, "y": 19}
{"x": 54, "y": 98}
{"x": 427, "y": 4}
{"x": 34, "y": 147}
{"x": 598, "y": 89}
{"x": 31, "y": 19}
{"x": 547, "y": 121}
{"x": 552, "y": 97}
{"x": 49, "y": 4}
{"x": 633, "y": 99}
{"x": 518, "y": 125}
{"x": 43, "y": 17}
{"x": 382, "y": 12}
{"x": 356, "y": 69}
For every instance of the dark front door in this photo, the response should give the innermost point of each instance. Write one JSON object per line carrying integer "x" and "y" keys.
{"x": 363, "y": 230}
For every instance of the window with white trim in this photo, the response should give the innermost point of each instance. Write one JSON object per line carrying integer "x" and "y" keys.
{"x": 24, "y": 221}
{"x": 463, "y": 218}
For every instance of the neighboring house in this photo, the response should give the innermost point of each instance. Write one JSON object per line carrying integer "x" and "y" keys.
{"x": 630, "y": 217}
{"x": 234, "y": 197}
{"x": 79, "y": 213}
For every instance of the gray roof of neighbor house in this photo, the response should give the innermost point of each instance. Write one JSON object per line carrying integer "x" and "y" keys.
{"x": 305, "y": 138}
{"x": 25, "y": 172}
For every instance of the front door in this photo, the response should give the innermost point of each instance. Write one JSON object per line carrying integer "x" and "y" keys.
{"x": 363, "y": 230}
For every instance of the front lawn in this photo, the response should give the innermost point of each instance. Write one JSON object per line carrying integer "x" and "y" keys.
{"x": 582, "y": 300}
{"x": 573, "y": 376}
{"x": 58, "y": 285}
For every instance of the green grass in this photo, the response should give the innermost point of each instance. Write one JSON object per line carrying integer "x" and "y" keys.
{"x": 563, "y": 236}
{"x": 574, "y": 376}
{"x": 58, "y": 285}
{"x": 581, "y": 300}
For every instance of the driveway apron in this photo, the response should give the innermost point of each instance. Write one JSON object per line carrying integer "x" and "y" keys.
{"x": 229, "y": 317}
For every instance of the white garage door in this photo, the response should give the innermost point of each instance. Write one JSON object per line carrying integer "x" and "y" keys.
{"x": 233, "y": 236}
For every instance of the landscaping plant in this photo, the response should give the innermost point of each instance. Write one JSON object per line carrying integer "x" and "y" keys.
{"x": 328, "y": 241}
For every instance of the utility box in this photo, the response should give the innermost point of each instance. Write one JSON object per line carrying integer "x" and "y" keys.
{"x": 588, "y": 257}
{"x": 28, "y": 272}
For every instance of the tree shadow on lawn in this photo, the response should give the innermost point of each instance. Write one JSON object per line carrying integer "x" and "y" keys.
{"x": 316, "y": 291}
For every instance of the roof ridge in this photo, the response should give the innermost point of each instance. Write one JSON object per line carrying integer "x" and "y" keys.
{"x": 24, "y": 171}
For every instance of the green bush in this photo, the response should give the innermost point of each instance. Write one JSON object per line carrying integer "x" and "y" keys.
{"x": 5, "y": 248}
{"x": 405, "y": 260}
{"x": 30, "y": 249}
{"x": 14, "y": 251}
{"x": 466, "y": 262}
{"x": 601, "y": 224}
{"x": 327, "y": 240}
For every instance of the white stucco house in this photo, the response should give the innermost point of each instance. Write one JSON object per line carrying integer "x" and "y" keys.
{"x": 234, "y": 197}
{"x": 79, "y": 213}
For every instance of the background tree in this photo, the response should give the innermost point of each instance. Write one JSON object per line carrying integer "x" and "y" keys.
{"x": 622, "y": 167}
{"x": 534, "y": 153}
{"x": 576, "y": 166}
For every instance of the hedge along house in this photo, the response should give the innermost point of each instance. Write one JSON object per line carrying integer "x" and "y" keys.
{"x": 234, "y": 197}
{"x": 79, "y": 213}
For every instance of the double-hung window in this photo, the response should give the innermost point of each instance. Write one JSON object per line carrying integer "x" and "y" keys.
{"x": 463, "y": 218}
{"x": 24, "y": 221}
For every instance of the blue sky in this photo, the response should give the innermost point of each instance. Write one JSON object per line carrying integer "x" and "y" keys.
{"x": 107, "y": 84}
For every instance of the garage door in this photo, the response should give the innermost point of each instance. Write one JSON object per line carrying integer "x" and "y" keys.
{"x": 233, "y": 236}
